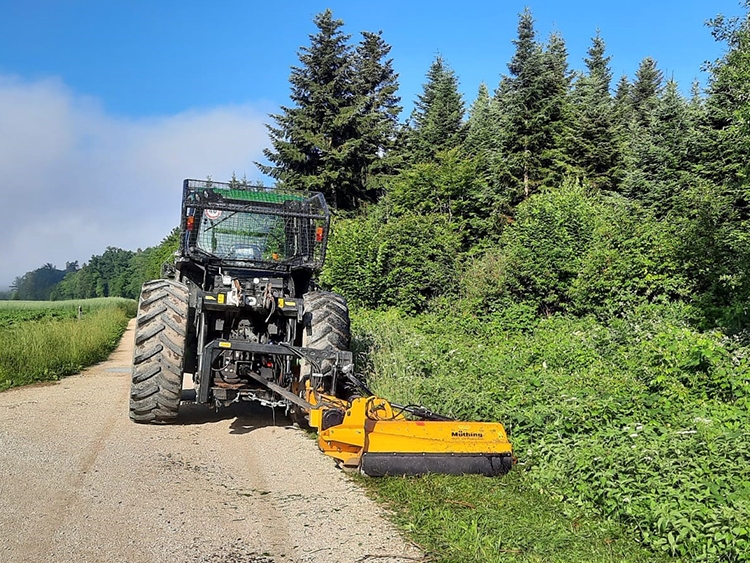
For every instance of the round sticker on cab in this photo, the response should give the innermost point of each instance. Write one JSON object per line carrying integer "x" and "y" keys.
{"x": 213, "y": 214}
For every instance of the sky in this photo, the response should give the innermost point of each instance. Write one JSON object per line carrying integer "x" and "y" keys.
{"x": 105, "y": 107}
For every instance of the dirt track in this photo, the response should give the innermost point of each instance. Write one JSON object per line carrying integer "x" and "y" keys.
{"x": 79, "y": 482}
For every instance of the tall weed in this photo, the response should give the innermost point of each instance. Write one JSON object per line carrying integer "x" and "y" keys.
{"x": 641, "y": 419}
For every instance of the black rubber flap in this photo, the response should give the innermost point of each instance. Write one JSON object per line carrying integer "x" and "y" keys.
{"x": 381, "y": 464}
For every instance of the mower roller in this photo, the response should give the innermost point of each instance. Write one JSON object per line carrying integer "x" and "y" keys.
{"x": 239, "y": 310}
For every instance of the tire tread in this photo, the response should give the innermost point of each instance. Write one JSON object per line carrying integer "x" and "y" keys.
{"x": 159, "y": 355}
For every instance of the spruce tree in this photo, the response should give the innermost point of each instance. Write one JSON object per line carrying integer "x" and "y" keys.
{"x": 595, "y": 144}
{"x": 635, "y": 105}
{"x": 648, "y": 84}
{"x": 597, "y": 66}
{"x": 377, "y": 86}
{"x": 622, "y": 105}
{"x": 533, "y": 100}
{"x": 728, "y": 106}
{"x": 342, "y": 119}
{"x": 726, "y": 165}
{"x": 558, "y": 110}
{"x": 482, "y": 124}
{"x": 437, "y": 119}
{"x": 660, "y": 167}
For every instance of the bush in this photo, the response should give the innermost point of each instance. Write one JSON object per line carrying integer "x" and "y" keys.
{"x": 351, "y": 265}
{"x": 453, "y": 187}
{"x": 574, "y": 251}
{"x": 539, "y": 254}
{"x": 378, "y": 260}
{"x": 632, "y": 259}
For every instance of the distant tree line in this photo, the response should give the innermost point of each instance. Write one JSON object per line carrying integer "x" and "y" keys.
{"x": 115, "y": 273}
{"x": 37, "y": 285}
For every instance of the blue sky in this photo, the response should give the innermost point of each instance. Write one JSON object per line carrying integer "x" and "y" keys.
{"x": 105, "y": 106}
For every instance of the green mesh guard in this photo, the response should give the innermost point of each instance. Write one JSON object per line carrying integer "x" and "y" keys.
{"x": 241, "y": 225}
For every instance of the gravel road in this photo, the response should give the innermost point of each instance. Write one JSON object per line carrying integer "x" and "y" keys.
{"x": 81, "y": 483}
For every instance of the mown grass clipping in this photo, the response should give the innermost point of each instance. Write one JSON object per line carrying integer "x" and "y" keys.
{"x": 44, "y": 341}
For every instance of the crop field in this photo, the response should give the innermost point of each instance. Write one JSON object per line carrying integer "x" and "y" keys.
{"x": 631, "y": 436}
{"x": 45, "y": 340}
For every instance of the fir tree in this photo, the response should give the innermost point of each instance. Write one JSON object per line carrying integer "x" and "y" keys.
{"x": 482, "y": 125}
{"x": 595, "y": 144}
{"x": 597, "y": 64}
{"x": 634, "y": 108}
{"x": 437, "y": 119}
{"x": 377, "y": 86}
{"x": 534, "y": 106}
{"x": 725, "y": 149}
{"x": 622, "y": 102}
{"x": 558, "y": 111}
{"x": 343, "y": 116}
{"x": 728, "y": 105}
{"x": 648, "y": 84}
{"x": 660, "y": 166}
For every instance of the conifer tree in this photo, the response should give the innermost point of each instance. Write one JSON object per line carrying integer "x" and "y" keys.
{"x": 558, "y": 110}
{"x": 728, "y": 105}
{"x": 622, "y": 105}
{"x": 698, "y": 144}
{"x": 482, "y": 124}
{"x": 726, "y": 145}
{"x": 377, "y": 86}
{"x": 660, "y": 166}
{"x": 534, "y": 107}
{"x": 437, "y": 119}
{"x": 648, "y": 84}
{"x": 595, "y": 144}
{"x": 634, "y": 108}
{"x": 342, "y": 119}
{"x": 597, "y": 65}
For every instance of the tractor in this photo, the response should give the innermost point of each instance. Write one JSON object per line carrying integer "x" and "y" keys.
{"x": 239, "y": 309}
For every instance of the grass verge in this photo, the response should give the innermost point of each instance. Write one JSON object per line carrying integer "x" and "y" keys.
{"x": 473, "y": 519}
{"x": 44, "y": 341}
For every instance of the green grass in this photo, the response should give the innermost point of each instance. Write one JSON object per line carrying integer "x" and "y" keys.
{"x": 476, "y": 519}
{"x": 72, "y": 304}
{"x": 18, "y": 312}
{"x": 636, "y": 427}
{"x": 44, "y": 341}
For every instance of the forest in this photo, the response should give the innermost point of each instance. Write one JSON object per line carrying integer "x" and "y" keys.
{"x": 567, "y": 254}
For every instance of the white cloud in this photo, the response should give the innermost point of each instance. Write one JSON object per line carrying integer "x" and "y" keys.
{"x": 74, "y": 180}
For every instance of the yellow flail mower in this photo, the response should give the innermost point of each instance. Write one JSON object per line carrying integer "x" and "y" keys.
{"x": 238, "y": 308}
{"x": 374, "y": 436}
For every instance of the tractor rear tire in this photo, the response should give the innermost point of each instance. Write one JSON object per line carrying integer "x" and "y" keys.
{"x": 159, "y": 355}
{"x": 327, "y": 327}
